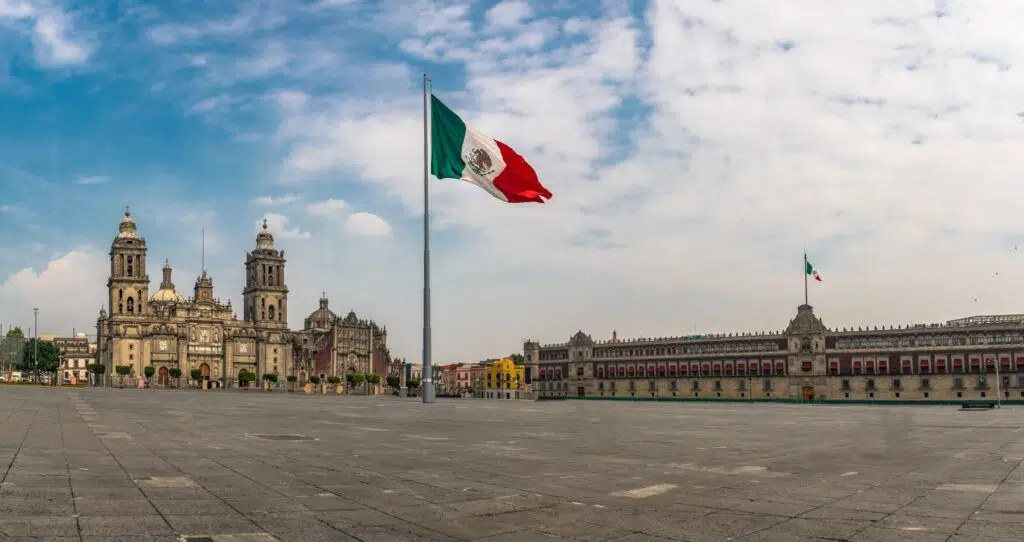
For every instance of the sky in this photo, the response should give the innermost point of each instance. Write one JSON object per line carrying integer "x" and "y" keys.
{"x": 695, "y": 150}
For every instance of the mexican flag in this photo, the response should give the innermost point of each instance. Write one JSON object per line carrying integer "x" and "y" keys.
{"x": 810, "y": 270}
{"x": 459, "y": 151}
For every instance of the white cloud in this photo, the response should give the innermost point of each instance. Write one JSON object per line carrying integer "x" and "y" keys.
{"x": 363, "y": 223}
{"x": 285, "y": 199}
{"x": 329, "y": 207}
{"x": 56, "y": 40}
{"x": 509, "y": 13}
{"x": 77, "y": 275}
{"x": 278, "y": 225}
{"x": 92, "y": 179}
{"x": 17, "y": 211}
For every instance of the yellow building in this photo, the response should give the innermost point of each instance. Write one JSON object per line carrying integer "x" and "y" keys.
{"x": 504, "y": 379}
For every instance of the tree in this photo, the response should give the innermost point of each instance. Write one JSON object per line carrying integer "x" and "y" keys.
{"x": 97, "y": 369}
{"x": 175, "y": 374}
{"x": 123, "y": 371}
{"x": 11, "y": 348}
{"x": 394, "y": 382}
{"x": 48, "y": 360}
{"x": 517, "y": 359}
{"x": 196, "y": 374}
{"x": 149, "y": 371}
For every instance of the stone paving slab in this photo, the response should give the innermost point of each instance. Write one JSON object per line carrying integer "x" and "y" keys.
{"x": 105, "y": 464}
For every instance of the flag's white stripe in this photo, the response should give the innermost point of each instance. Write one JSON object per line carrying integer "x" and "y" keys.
{"x": 475, "y": 140}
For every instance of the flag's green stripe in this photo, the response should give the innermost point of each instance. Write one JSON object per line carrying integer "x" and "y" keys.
{"x": 810, "y": 268}
{"x": 447, "y": 132}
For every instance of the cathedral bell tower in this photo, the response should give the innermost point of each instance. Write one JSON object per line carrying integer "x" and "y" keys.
{"x": 128, "y": 285}
{"x": 265, "y": 294}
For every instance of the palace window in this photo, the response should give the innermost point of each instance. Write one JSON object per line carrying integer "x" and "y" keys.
{"x": 767, "y": 384}
{"x": 958, "y": 383}
{"x": 870, "y": 384}
{"x": 982, "y": 383}
{"x": 718, "y": 385}
{"x": 650, "y": 385}
{"x": 129, "y": 268}
{"x": 926, "y": 384}
{"x": 846, "y": 384}
{"x": 742, "y": 385}
{"x": 632, "y": 386}
{"x": 696, "y": 385}
{"x": 271, "y": 312}
{"x": 896, "y": 384}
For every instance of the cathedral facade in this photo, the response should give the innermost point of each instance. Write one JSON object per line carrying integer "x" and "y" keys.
{"x": 332, "y": 345}
{"x": 167, "y": 331}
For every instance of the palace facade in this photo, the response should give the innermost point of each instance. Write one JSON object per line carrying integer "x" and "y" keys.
{"x": 977, "y": 358}
{"x": 168, "y": 331}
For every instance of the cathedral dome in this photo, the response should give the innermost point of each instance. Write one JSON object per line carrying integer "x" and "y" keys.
{"x": 166, "y": 293}
{"x": 321, "y": 318}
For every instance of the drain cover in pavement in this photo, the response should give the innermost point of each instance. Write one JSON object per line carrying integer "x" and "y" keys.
{"x": 285, "y": 437}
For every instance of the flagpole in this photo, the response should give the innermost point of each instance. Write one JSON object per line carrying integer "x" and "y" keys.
{"x": 428, "y": 373}
{"x": 805, "y": 279}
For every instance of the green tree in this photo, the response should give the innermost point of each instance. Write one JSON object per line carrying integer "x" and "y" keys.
{"x": 48, "y": 356}
{"x": 11, "y": 348}
{"x": 517, "y": 359}
{"x": 149, "y": 371}
{"x": 175, "y": 374}
{"x": 394, "y": 382}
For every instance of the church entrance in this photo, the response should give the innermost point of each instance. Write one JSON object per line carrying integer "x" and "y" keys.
{"x": 204, "y": 370}
{"x": 808, "y": 393}
{"x": 162, "y": 377}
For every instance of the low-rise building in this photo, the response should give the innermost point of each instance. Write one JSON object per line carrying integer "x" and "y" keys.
{"x": 76, "y": 354}
{"x": 503, "y": 379}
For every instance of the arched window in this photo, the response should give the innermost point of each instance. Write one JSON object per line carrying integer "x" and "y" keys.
{"x": 120, "y": 308}
{"x": 129, "y": 273}
{"x": 264, "y": 275}
{"x": 131, "y": 305}
{"x": 271, "y": 313}
{"x": 120, "y": 295}
{"x": 280, "y": 312}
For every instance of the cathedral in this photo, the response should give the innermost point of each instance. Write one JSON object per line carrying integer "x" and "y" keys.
{"x": 167, "y": 331}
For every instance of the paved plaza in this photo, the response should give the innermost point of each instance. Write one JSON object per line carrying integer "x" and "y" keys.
{"x": 108, "y": 464}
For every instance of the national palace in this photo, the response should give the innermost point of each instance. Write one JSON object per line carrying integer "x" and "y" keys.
{"x": 967, "y": 359}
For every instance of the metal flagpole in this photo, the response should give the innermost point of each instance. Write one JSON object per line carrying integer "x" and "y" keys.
{"x": 805, "y": 279}
{"x": 427, "y": 384}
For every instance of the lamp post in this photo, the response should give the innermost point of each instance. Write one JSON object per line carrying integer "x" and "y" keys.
{"x": 35, "y": 343}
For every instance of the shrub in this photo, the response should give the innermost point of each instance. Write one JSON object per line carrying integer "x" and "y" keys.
{"x": 394, "y": 382}
{"x": 175, "y": 373}
{"x": 350, "y": 377}
{"x": 292, "y": 378}
{"x": 314, "y": 379}
{"x": 149, "y": 371}
{"x": 123, "y": 370}
{"x": 196, "y": 374}
{"x": 97, "y": 368}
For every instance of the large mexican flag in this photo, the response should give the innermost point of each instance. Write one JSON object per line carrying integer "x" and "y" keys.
{"x": 459, "y": 151}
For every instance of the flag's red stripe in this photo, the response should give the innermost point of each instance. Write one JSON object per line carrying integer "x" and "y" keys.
{"x": 519, "y": 182}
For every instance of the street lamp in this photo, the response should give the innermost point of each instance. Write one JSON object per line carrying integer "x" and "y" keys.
{"x": 35, "y": 343}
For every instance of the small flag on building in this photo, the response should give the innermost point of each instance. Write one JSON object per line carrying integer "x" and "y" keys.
{"x": 459, "y": 151}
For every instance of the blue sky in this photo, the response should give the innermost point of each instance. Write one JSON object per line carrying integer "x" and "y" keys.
{"x": 691, "y": 156}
